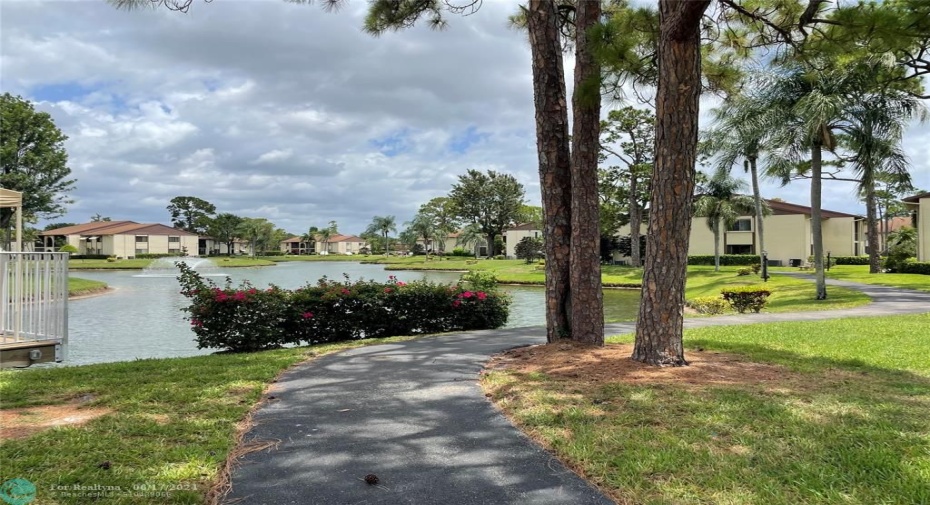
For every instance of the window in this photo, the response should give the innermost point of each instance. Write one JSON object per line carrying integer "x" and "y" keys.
{"x": 174, "y": 245}
{"x": 742, "y": 225}
{"x": 142, "y": 238}
{"x": 739, "y": 249}
{"x": 173, "y": 239}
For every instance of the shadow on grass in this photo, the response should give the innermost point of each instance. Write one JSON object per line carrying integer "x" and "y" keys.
{"x": 826, "y": 431}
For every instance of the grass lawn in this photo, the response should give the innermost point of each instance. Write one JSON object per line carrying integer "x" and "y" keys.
{"x": 789, "y": 294}
{"x": 831, "y": 412}
{"x": 167, "y": 425}
{"x": 78, "y": 287}
{"x": 860, "y": 273}
{"x": 139, "y": 264}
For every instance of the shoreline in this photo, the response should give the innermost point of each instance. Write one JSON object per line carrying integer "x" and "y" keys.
{"x": 91, "y": 293}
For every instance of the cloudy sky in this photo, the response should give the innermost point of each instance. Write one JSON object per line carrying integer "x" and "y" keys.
{"x": 282, "y": 111}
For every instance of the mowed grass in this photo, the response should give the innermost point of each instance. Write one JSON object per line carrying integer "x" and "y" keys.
{"x": 860, "y": 273}
{"x": 789, "y": 294}
{"x": 846, "y": 421}
{"x": 78, "y": 287}
{"x": 172, "y": 425}
{"x": 139, "y": 264}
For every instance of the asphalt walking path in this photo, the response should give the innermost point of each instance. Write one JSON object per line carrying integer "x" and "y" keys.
{"x": 412, "y": 414}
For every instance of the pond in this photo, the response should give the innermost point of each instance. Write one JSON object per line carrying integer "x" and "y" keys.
{"x": 143, "y": 317}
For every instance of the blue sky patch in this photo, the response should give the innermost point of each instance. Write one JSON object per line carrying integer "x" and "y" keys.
{"x": 461, "y": 143}
{"x": 395, "y": 144}
{"x": 58, "y": 92}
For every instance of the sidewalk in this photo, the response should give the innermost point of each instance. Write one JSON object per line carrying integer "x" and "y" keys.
{"x": 413, "y": 414}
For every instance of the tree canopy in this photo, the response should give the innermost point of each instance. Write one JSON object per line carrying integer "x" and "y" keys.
{"x": 489, "y": 200}
{"x": 33, "y": 160}
{"x": 191, "y": 213}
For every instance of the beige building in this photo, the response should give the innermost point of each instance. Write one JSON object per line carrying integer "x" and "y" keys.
{"x": 513, "y": 236}
{"x": 920, "y": 205}
{"x": 787, "y": 234}
{"x": 124, "y": 239}
{"x": 337, "y": 244}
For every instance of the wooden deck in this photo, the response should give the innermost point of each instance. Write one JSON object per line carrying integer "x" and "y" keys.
{"x": 21, "y": 354}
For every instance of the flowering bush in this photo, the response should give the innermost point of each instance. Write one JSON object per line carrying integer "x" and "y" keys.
{"x": 246, "y": 319}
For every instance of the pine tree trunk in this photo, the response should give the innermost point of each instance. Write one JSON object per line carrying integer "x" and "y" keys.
{"x": 587, "y": 308}
{"x": 554, "y": 161}
{"x": 661, "y": 312}
{"x": 816, "y": 223}
{"x": 490, "y": 245}
{"x": 636, "y": 220}
{"x": 875, "y": 260}
{"x": 757, "y": 197}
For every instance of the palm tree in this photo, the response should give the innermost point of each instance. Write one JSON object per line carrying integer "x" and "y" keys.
{"x": 422, "y": 226}
{"x": 721, "y": 204}
{"x": 471, "y": 235}
{"x": 799, "y": 111}
{"x": 310, "y": 238}
{"x": 733, "y": 136}
{"x": 876, "y": 124}
{"x": 323, "y": 237}
{"x": 382, "y": 225}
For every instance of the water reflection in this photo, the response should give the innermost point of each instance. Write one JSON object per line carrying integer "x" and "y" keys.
{"x": 143, "y": 319}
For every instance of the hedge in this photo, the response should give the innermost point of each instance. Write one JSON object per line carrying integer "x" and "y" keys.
{"x": 89, "y": 256}
{"x": 245, "y": 318}
{"x": 850, "y": 260}
{"x": 915, "y": 267}
{"x": 743, "y": 298}
{"x": 154, "y": 256}
{"x": 725, "y": 259}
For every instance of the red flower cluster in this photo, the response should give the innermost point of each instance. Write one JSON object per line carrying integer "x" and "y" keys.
{"x": 307, "y": 315}
{"x": 481, "y": 295}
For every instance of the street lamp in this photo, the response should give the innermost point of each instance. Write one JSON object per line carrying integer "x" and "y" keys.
{"x": 765, "y": 266}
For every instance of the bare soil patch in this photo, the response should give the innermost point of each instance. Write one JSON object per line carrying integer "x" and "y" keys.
{"x": 27, "y": 421}
{"x": 584, "y": 365}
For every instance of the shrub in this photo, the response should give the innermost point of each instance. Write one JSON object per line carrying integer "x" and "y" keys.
{"x": 915, "y": 267}
{"x": 458, "y": 251}
{"x": 851, "y": 260}
{"x": 500, "y": 257}
{"x": 89, "y": 256}
{"x": 244, "y": 318}
{"x": 273, "y": 253}
{"x": 68, "y": 248}
{"x": 708, "y": 305}
{"x": 529, "y": 249}
{"x": 111, "y": 259}
{"x": 756, "y": 268}
{"x": 153, "y": 256}
{"x": 478, "y": 280}
{"x": 744, "y": 271}
{"x": 725, "y": 259}
{"x": 743, "y": 298}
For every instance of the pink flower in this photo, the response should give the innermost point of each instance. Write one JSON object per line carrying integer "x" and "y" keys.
{"x": 387, "y": 290}
{"x": 253, "y": 291}
{"x": 456, "y": 303}
{"x": 196, "y": 322}
{"x": 221, "y": 297}
{"x": 239, "y": 296}
{"x": 399, "y": 283}
{"x": 345, "y": 291}
{"x": 468, "y": 294}
{"x": 392, "y": 277}
{"x": 482, "y": 295}
{"x": 307, "y": 315}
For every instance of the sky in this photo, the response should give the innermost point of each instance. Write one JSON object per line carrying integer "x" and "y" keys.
{"x": 287, "y": 112}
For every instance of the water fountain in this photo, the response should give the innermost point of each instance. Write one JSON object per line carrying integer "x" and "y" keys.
{"x": 165, "y": 267}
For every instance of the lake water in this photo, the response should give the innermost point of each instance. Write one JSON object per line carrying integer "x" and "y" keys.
{"x": 143, "y": 318}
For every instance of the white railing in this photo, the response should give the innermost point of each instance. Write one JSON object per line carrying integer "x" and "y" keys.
{"x": 33, "y": 298}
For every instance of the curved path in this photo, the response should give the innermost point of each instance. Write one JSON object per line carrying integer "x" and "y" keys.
{"x": 412, "y": 413}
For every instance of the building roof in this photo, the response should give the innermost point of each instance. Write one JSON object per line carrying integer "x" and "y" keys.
{"x": 116, "y": 228}
{"x": 524, "y": 227}
{"x": 292, "y": 240}
{"x": 346, "y": 238}
{"x": 783, "y": 208}
{"x": 916, "y": 198}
